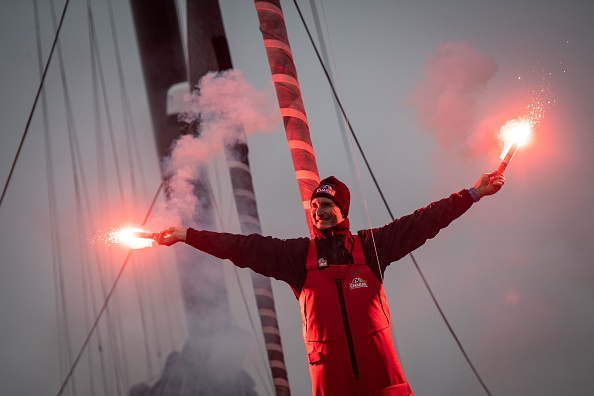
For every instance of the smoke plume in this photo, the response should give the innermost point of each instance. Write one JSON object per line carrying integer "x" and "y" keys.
{"x": 223, "y": 109}
{"x": 446, "y": 99}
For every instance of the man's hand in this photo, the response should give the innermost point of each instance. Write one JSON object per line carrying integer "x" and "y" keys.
{"x": 489, "y": 183}
{"x": 171, "y": 236}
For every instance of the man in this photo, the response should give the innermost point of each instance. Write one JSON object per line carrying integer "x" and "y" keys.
{"x": 338, "y": 279}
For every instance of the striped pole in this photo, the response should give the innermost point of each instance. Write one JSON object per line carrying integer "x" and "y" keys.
{"x": 284, "y": 77}
{"x": 247, "y": 210}
{"x": 207, "y": 37}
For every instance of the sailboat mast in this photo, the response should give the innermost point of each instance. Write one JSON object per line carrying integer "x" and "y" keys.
{"x": 209, "y": 51}
{"x": 288, "y": 92}
{"x": 201, "y": 276}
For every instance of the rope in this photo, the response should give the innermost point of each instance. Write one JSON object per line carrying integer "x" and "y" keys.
{"x": 39, "y": 88}
{"x": 353, "y": 151}
{"x": 102, "y": 185}
{"x": 357, "y": 167}
{"x": 75, "y": 154}
{"x": 61, "y": 311}
{"x": 386, "y": 203}
{"x": 132, "y": 148}
{"x": 129, "y": 126}
{"x": 78, "y": 173}
{"x": 107, "y": 299}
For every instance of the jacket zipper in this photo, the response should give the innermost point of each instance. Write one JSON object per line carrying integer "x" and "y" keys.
{"x": 347, "y": 328}
{"x": 334, "y": 250}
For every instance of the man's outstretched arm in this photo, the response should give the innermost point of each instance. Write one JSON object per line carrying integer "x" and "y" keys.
{"x": 407, "y": 233}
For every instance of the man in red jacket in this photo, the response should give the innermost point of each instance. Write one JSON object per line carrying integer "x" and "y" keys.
{"x": 338, "y": 279}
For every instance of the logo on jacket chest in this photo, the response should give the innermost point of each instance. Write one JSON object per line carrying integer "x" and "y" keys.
{"x": 322, "y": 263}
{"x": 357, "y": 283}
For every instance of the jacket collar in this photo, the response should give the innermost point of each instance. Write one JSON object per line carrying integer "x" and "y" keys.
{"x": 342, "y": 228}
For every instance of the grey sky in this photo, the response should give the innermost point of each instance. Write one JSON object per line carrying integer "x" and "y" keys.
{"x": 514, "y": 275}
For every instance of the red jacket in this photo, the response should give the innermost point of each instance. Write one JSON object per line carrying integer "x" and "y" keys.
{"x": 346, "y": 321}
{"x": 284, "y": 259}
{"x": 346, "y": 329}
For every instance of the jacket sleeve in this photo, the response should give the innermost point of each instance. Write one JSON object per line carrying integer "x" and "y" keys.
{"x": 282, "y": 259}
{"x": 405, "y": 234}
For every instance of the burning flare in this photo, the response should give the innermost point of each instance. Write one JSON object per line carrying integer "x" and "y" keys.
{"x": 516, "y": 132}
{"x": 132, "y": 237}
{"x": 513, "y": 134}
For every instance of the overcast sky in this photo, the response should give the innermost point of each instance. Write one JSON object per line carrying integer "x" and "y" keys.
{"x": 514, "y": 275}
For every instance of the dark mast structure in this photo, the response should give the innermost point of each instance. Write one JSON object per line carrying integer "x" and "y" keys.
{"x": 197, "y": 369}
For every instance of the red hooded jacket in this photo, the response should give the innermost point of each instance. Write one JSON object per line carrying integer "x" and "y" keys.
{"x": 286, "y": 260}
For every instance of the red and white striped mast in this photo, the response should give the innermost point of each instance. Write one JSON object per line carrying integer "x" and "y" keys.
{"x": 206, "y": 36}
{"x": 288, "y": 92}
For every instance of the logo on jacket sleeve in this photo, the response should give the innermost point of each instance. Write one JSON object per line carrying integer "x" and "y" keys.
{"x": 358, "y": 283}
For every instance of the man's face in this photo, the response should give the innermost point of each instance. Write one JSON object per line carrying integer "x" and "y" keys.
{"x": 325, "y": 213}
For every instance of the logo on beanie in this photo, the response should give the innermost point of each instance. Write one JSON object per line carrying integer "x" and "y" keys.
{"x": 326, "y": 189}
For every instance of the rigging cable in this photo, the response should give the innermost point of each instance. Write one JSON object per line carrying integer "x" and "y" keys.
{"x": 78, "y": 173}
{"x": 133, "y": 148}
{"x": 57, "y": 261}
{"x": 107, "y": 299}
{"x": 102, "y": 183}
{"x": 77, "y": 162}
{"x": 37, "y": 95}
{"x": 339, "y": 118}
{"x": 112, "y": 139}
{"x": 129, "y": 126}
{"x": 99, "y": 147}
{"x": 441, "y": 312}
{"x": 349, "y": 148}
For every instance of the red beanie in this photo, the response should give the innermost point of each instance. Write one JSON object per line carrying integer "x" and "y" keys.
{"x": 337, "y": 191}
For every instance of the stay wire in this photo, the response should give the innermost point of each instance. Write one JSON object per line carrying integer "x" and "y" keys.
{"x": 34, "y": 106}
{"x": 53, "y": 216}
{"x": 102, "y": 194}
{"x": 132, "y": 148}
{"x": 78, "y": 171}
{"x": 441, "y": 312}
{"x": 349, "y": 146}
{"x": 107, "y": 299}
{"x": 115, "y": 327}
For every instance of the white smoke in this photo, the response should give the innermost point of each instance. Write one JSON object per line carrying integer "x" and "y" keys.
{"x": 227, "y": 108}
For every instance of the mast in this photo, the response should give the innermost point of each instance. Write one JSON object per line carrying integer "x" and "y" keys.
{"x": 206, "y": 37}
{"x": 203, "y": 367}
{"x": 288, "y": 92}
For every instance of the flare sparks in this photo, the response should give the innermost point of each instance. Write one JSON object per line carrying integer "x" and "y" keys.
{"x": 513, "y": 134}
{"x": 131, "y": 237}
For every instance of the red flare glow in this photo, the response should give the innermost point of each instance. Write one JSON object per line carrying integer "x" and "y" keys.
{"x": 514, "y": 132}
{"x": 132, "y": 237}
